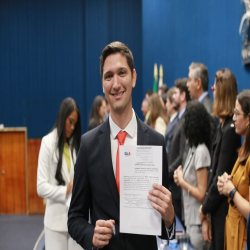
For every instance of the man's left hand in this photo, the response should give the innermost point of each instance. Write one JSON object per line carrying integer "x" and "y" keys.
{"x": 161, "y": 200}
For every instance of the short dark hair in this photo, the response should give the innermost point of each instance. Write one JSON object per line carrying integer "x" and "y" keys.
{"x": 181, "y": 84}
{"x": 150, "y": 92}
{"x": 117, "y": 47}
{"x": 200, "y": 71}
{"x": 197, "y": 124}
{"x": 68, "y": 105}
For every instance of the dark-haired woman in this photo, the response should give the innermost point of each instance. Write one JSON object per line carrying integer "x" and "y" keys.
{"x": 224, "y": 154}
{"x": 236, "y": 185}
{"x": 55, "y": 172}
{"x": 193, "y": 177}
{"x": 97, "y": 112}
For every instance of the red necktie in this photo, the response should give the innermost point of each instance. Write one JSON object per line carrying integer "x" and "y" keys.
{"x": 121, "y": 138}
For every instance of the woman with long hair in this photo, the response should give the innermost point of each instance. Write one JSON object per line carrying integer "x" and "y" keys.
{"x": 236, "y": 185}
{"x": 158, "y": 118}
{"x": 55, "y": 172}
{"x": 226, "y": 142}
{"x": 193, "y": 177}
{"x": 97, "y": 112}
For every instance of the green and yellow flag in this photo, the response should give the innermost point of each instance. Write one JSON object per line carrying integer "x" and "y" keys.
{"x": 155, "y": 87}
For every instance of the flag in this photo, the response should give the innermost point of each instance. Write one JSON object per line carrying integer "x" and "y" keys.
{"x": 155, "y": 87}
{"x": 160, "y": 76}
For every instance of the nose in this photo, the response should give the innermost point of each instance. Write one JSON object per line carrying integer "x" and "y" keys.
{"x": 116, "y": 84}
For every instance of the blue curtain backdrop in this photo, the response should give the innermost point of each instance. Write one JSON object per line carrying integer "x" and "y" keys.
{"x": 180, "y": 32}
{"x": 50, "y": 49}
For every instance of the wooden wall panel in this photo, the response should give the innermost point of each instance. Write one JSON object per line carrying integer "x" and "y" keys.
{"x": 13, "y": 198}
{"x": 36, "y": 205}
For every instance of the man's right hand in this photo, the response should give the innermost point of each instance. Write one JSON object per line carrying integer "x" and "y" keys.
{"x": 102, "y": 233}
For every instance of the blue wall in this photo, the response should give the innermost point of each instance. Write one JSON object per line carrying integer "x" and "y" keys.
{"x": 50, "y": 49}
{"x": 186, "y": 31}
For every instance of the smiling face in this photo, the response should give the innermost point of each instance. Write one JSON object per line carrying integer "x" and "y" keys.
{"x": 70, "y": 124}
{"x": 117, "y": 82}
{"x": 240, "y": 120}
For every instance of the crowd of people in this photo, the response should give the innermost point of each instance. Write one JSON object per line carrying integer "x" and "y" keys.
{"x": 206, "y": 170}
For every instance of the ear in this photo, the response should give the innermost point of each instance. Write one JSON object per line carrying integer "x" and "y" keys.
{"x": 134, "y": 77}
{"x": 199, "y": 83}
{"x": 183, "y": 96}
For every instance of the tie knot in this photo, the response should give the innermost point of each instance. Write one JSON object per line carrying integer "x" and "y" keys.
{"x": 121, "y": 137}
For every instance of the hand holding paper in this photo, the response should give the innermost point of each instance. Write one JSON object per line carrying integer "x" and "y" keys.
{"x": 161, "y": 200}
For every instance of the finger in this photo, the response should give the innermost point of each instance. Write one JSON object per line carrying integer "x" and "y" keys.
{"x": 161, "y": 188}
{"x": 105, "y": 223}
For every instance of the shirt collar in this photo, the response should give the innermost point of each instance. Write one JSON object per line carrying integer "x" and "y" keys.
{"x": 181, "y": 113}
{"x": 130, "y": 129}
{"x": 202, "y": 96}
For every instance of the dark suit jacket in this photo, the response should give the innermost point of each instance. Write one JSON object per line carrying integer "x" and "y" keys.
{"x": 95, "y": 189}
{"x": 208, "y": 103}
{"x": 175, "y": 156}
{"x": 224, "y": 155}
{"x": 169, "y": 132}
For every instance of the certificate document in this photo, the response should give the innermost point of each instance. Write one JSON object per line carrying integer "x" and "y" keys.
{"x": 140, "y": 167}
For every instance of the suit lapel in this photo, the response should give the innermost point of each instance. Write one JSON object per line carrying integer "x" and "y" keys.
{"x": 142, "y": 136}
{"x": 105, "y": 149}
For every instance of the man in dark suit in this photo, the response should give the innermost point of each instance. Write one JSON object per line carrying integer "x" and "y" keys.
{"x": 173, "y": 118}
{"x": 96, "y": 184}
{"x": 197, "y": 84}
{"x": 178, "y": 142}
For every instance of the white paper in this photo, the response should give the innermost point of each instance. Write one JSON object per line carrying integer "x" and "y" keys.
{"x": 140, "y": 167}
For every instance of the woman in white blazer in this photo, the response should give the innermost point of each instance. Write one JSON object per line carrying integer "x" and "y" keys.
{"x": 55, "y": 172}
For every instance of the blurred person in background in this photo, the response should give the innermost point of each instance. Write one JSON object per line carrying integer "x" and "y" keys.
{"x": 172, "y": 115}
{"x": 177, "y": 142}
{"x": 224, "y": 154}
{"x": 55, "y": 173}
{"x": 192, "y": 178}
{"x": 107, "y": 110}
{"x": 158, "y": 118}
{"x": 236, "y": 185}
{"x": 149, "y": 93}
{"x": 97, "y": 112}
{"x": 145, "y": 110}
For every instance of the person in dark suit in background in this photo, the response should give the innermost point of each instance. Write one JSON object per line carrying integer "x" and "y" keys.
{"x": 197, "y": 84}
{"x": 178, "y": 142}
{"x": 96, "y": 182}
{"x": 173, "y": 118}
{"x": 224, "y": 155}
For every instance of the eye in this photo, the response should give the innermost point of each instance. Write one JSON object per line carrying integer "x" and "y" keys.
{"x": 108, "y": 76}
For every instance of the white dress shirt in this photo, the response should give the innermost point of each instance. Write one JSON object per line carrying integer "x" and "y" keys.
{"x": 131, "y": 139}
